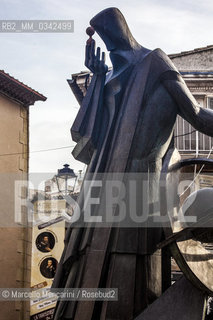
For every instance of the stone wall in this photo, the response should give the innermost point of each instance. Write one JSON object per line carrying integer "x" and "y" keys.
{"x": 195, "y": 60}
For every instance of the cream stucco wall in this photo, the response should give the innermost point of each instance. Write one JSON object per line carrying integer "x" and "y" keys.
{"x": 15, "y": 241}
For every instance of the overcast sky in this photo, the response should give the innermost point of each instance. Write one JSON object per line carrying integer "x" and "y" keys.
{"x": 45, "y": 61}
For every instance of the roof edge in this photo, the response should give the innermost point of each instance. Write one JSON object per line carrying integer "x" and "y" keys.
{"x": 185, "y": 53}
{"x": 19, "y": 91}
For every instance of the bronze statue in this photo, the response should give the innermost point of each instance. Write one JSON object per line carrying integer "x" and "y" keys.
{"x": 125, "y": 124}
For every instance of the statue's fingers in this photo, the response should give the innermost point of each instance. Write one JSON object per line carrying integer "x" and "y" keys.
{"x": 87, "y": 54}
{"x": 98, "y": 53}
{"x": 103, "y": 57}
{"x": 90, "y": 66}
{"x": 92, "y": 49}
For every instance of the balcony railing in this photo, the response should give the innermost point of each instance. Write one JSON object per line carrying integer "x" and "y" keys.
{"x": 187, "y": 139}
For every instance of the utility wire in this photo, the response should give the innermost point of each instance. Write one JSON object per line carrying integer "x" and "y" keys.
{"x": 67, "y": 147}
{"x": 185, "y": 134}
{"x": 36, "y": 151}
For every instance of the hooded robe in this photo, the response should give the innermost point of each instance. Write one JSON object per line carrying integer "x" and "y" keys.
{"x": 129, "y": 129}
{"x": 134, "y": 139}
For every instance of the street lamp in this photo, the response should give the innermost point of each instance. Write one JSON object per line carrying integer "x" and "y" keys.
{"x": 66, "y": 174}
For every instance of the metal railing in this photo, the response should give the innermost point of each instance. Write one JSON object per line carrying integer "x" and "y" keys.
{"x": 189, "y": 139}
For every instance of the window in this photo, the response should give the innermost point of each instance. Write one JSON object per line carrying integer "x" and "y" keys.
{"x": 210, "y": 103}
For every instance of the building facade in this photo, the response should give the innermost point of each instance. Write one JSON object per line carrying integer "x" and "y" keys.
{"x": 15, "y": 238}
{"x": 196, "y": 67}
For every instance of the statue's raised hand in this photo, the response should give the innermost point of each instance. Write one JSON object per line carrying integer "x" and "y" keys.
{"x": 93, "y": 61}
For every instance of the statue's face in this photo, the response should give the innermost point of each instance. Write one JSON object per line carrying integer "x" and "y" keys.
{"x": 111, "y": 26}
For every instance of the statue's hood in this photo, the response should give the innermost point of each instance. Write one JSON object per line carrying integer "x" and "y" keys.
{"x": 111, "y": 26}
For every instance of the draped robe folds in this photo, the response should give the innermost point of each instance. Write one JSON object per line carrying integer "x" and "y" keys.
{"x": 134, "y": 134}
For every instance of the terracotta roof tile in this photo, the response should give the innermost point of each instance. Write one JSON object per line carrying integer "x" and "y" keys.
{"x": 18, "y": 91}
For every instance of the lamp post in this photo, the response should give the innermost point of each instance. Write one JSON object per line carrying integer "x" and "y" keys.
{"x": 66, "y": 174}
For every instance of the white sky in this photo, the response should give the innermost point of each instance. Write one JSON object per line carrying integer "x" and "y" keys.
{"x": 45, "y": 61}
